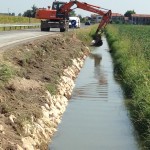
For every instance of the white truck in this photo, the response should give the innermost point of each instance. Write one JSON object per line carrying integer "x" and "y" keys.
{"x": 74, "y": 22}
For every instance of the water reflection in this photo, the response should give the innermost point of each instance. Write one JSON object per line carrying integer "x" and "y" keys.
{"x": 99, "y": 73}
{"x": 95, "y": 89}
{"x": 97, "y": 58}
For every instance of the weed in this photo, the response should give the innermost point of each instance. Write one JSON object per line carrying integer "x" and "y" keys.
{"x": 6, "y": 72}
{"x": 4, "y": 108}
{"x": 25, "y": 59}
{"x": 51, "y": 88}
{"x": 86, "y": 34}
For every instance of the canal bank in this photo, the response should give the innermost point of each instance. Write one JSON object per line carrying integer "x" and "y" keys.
{"x": 35, "y": 86}
{"x": 96, "y": 117}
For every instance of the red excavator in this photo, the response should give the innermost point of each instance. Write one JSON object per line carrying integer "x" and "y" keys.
{"x": 58, "y": 16}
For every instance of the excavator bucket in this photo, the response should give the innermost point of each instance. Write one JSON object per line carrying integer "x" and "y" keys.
{"x": 97, "y": 40}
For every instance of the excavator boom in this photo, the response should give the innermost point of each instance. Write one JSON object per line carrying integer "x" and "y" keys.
{"x": 106, "y": 16}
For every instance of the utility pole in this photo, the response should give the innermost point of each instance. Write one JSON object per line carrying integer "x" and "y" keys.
{"x": 8, "y": 11}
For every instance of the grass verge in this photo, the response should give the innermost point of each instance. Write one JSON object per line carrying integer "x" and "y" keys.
{"x": 6, "y": 72}
{"x": 86, "y": 34}
{"x": 130, "y": 49}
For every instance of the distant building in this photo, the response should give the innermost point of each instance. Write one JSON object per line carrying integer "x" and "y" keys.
{"x": 98, "y": 18}
{"x": 116, "y": 17}
{"x": 119, "y": 18}
{"x": 95, "y": 18}
{"x": 140, "y": 19}
{"x": 126, "y": 20}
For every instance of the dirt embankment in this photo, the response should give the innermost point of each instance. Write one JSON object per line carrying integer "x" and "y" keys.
{"x": 29, "y": 77}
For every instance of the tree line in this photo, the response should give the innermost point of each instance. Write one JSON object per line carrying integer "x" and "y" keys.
{"x": 31, "y": 12}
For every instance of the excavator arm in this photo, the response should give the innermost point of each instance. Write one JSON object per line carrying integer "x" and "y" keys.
{"x": 106, "y": 16}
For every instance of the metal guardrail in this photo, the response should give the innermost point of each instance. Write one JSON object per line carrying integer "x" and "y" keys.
{"x": 7, "y": 27}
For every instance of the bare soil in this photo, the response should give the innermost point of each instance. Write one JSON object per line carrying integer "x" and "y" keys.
{"x": 37, "y": 66}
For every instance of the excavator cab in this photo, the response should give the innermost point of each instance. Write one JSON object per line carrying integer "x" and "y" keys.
{"x": 57, "y": 4}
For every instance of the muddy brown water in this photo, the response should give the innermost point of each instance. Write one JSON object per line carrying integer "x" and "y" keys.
{"x": 96, "y": 117}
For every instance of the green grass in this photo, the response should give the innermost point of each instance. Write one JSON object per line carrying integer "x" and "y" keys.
{"x": 86, "y": 34}
{"x": 130, "y": 47}
{"x": 6, "y": 72}
{"x": 16, "y": 19}
{"x": 4, "y": 19}
{"x": 51, "y": 88}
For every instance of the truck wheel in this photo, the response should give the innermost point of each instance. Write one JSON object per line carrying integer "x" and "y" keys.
{"x": 45, "y": 29}
{"x": 62, "y": 29}
{"x": 42, "y": 29}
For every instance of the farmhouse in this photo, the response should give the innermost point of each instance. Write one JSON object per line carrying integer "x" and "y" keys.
{"x": 117, "y": 17}
{"x": 95, "y": 18}
{"x": 143, "y": 19}
{"x": 140, "y": 19}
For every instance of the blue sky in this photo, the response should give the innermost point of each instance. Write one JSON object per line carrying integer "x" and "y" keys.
{"x": 119, "y": 6}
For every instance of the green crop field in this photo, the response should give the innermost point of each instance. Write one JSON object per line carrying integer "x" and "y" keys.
{"x": 17, "y": 19}
{"x": 130, "y": 48}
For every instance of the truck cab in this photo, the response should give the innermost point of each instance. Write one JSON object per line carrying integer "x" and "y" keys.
{"x": 74, "y": 22}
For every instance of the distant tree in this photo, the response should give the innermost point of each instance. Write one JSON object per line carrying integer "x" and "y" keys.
{"x": 34, "y": 8}
{"x": 27, "y": 13}
{"x": 30, "y": 13}
{"x": 81, "y": 19}
{"x": 19, "y": 14}
{"x": 72, "y": 13}
{"x": 12, "y": 14}
{"x": 128, "y": 13}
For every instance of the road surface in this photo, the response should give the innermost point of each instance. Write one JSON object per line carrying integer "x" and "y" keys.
{"x": 13, "y": 37}
{"x": 8, "y": 38}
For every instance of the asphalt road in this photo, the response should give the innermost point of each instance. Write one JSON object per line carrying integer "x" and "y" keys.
{"x": 13, "y": 37}
{"x": 8, "y": 38}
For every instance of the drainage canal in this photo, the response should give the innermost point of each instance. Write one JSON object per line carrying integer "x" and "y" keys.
{"x": 96, "y": 118}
